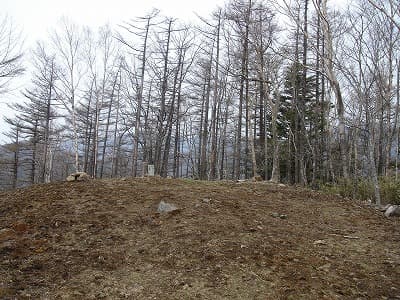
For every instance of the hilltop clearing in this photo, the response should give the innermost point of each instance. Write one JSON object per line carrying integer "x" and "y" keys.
{"x": 105, "y": 239}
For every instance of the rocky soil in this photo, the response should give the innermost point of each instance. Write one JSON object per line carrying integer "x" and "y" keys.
{"x": 105, "y": 239}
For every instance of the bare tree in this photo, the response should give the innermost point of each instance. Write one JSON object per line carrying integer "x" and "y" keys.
{"x": 14, "y": 148}
{"x": 161, "y": 129}
{"x": 10, "y": 53}
{"x": 390, "y": 8}
{"x": 67, "y": 42}
{"x": 328, "y": 63}
{"x": 143, "y": 34}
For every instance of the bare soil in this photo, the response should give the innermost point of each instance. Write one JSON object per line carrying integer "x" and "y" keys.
{"x": 105, "y": 239}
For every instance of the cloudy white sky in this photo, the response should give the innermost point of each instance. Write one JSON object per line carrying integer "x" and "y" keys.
{"x": 36, "y": 18}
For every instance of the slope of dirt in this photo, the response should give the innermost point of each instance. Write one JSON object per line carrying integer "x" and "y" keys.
{"x": 105, "y": 239}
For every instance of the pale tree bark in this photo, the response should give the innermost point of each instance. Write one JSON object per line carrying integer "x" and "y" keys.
{"x": 248, "y": 110}
{"x": 243, "y": 101}
{"x": 275, "y": 176}
{"x": 47, "y": 147}
{"x": 88, "y": 129}
{"x": 223, "y": 137}
{"x": 328, "y": 61}
{"x": 396, "y": 120}
{"x": 114, "y": 159}
{"x": 301, "y": 104}
{"x": 262, "y": 35}
{"x": 370, "y": 151}
{"x": 67, "y": 43}
{"x": 216, "y": 94}
{"x": 251, "y": 142}
{"x": 388, "y": 87}
{"x": 205, "y": 112}
{"x": 162, "y": 110}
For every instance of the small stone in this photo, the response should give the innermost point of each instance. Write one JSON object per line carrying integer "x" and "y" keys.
{"x": 164, "y": 207}
{"x": 382, "y": 208}
{"x": 82, "y": 176}
{"x": 70, "y": 178}
{"x": 275, "y": 215}
{"x": 283, "y": 216}
{"x": 78, "y": 176}
{"x": 319, "y": 242}
{"x": 393, "y": 211}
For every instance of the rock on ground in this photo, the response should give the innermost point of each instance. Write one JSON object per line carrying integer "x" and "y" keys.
{"x": 78, "y": 176}
{"x": 164, "y": 207}
{"x": 393, "y": 211}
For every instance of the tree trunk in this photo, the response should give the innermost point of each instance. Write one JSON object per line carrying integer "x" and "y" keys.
{"x": 275, "y": 176}
{"x": 140, "y": 96}
{"x": 176, "y": 87}
{"x": 16, "y": 158}
{"x": 161, "y": 116}
{"x": 204, "y": 138}
{"x": 213, "y": 159}
{"x": 328, "y": 65}
{"x": 110, "y": 105}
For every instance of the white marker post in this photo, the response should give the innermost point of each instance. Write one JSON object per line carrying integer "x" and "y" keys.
{"x": 150, "y": 169}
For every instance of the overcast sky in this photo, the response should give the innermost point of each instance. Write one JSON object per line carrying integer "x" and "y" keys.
{"x": 36, "y": 18}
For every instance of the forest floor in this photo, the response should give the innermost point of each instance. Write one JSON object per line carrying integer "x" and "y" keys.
{"x": 228, "y": 240}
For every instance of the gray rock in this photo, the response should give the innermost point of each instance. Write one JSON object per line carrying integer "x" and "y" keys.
{"x": 206, "y": 200}
{"x": 78, "y": 176}
{"x": 319, "y": 242}
{"x": 383, "y": 208}
{"x": 70, "y": 178}
{"x": 164, "y": 207}
{"x": 278, "y": 215}
{"x": 393, "y": 211}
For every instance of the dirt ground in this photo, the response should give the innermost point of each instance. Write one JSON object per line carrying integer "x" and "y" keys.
{"x": 104, "y": 239}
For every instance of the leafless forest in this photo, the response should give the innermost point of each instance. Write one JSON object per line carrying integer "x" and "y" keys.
{"x": 291, "y": 91}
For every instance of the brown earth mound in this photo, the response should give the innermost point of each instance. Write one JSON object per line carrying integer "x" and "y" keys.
{"x": 105, "y": 239}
